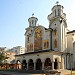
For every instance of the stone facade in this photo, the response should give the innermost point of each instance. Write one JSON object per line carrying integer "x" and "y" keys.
{"x": 48, "y": 48}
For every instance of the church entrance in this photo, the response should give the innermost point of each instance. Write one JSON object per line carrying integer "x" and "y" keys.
{"x": 56, "y": 64}
{"x": 48, "y": 64}
{"x": 38, "y": 64}
{"x": 24, "y": 64}
{"x": 30, "y": 65}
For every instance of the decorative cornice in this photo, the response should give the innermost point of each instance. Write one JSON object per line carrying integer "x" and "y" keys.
{"x": 41, "y": 51}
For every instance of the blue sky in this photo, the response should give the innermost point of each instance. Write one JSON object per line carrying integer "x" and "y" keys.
{"x": 14, "y": 16}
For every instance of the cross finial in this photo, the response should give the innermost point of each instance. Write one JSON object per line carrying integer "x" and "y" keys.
{"x": 32, "y": 14}
{"x": 57, "y": 2}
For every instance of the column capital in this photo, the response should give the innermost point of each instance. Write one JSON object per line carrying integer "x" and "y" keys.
{"x": 52, "y": 65}
{"x": 43, "y": 62}
{"x": 42, "y": 65}
{"x": 34, "y": 62}
{"x": 52, "y": 61}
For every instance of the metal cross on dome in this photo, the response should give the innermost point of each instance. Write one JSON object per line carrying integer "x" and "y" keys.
{"x": 32, "y": 14}
{"x": 57, "y": 2}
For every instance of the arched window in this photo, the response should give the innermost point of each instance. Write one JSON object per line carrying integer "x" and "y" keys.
{"x": 28, "y": 39}
{"x": 48, "y": 64}
{"x": 24, "y": 64}
{"x": 58, "y": 12}
{"x": 56, "y": 64}
{"x": 30, "y": 65}
{"x": 38, "y": 64}
{"x": 55, "y": 12}
{"x": 32, "y": 22}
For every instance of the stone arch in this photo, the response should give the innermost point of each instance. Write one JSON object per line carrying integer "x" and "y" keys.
{"x": 24, "y": 64}
{"x": 30, "y": 64}
{"x": 56, "y": 63}
{"x": 18, "y": 64}
{"x": 38, "y": 64}
{"x": 48, "y": 64}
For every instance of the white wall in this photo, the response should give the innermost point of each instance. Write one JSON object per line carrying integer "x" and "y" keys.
{"x": 70, "y": 43}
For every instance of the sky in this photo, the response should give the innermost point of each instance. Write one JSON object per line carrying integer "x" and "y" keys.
{"x": 14, "y": 16}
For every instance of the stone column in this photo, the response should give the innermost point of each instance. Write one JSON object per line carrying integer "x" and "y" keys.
{"x": 59, "y": 63}
{"x": 20, "y": 66}
{"x": 34, "y": 65}
{"x": 42, "y": 65}
{"x": 62, "y": 62}
{"x": 52, "y": 65}
{"x": 27, "y": 66}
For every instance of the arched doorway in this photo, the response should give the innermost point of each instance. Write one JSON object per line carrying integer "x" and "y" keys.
{"x": 56, "y": 64}
{"x": 24, "y": 64}
{"x": 18, "y": 64}
{"x": 48, "y": 64}
{"x": 38, "y": 64}
{"x": 30, "y": 65}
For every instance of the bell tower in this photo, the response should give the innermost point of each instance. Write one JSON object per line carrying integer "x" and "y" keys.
{"x": 57, "y": 21}
{"x": 32, "y": 21}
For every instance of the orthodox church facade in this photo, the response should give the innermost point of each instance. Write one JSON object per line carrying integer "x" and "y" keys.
{"x": 52, "y": 47}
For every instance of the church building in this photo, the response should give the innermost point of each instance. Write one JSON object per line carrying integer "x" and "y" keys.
{"x": 48, "y": 48}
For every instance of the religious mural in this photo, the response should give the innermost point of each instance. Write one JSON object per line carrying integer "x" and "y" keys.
{"x": 30, "y": 47}
{"x": 46, "y": 44}
{"x": 38, "y": 39}
{"x": 55, "y": 38}
{"x": 55, "y": 32}
{"x": 55, "y": 43}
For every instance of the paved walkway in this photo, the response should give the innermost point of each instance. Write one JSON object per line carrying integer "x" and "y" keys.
{"x": 15, "y": 73}
{"x": 63, "y": 72}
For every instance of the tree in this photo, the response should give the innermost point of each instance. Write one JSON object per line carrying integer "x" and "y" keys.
{"x": 2, "y": 58}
